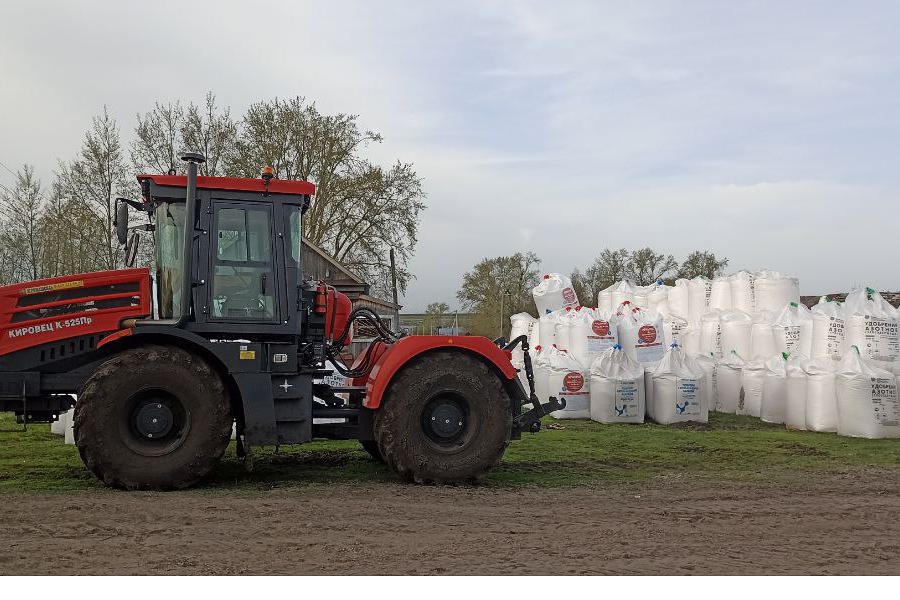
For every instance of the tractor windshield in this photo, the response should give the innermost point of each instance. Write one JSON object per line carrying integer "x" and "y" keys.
{"x": 169, "y": 259}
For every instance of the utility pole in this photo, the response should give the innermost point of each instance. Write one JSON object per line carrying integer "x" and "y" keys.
{"x": 394, "y": 287}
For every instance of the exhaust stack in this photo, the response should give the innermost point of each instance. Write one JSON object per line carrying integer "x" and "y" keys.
{"x": 193, "y": 159}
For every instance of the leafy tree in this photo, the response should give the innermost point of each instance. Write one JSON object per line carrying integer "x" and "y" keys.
{"x": 646, "y": 266}
{"x": 70, "y": 231}
{"x": 96, "y": 178}
{"x": 702, "y": 263}
{"x": 435, "y": 313}
{"x": 498, "y": 287}
{"x": 611, "y": 266}
{"x": 361, "y": 210}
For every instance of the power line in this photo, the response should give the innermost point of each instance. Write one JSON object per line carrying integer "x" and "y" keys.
{"x": 8, "y": 169}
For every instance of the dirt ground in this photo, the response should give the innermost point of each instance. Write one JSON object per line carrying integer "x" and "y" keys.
{"x": 832, "y": 525}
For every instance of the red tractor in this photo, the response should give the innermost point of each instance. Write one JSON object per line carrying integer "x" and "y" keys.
{"x": 227, "y": 331}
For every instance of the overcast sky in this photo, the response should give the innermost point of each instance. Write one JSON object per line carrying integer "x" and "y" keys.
{"x": 768, "y": 132}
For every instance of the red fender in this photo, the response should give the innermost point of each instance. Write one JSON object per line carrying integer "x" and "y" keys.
{"x": 398, "y": 354}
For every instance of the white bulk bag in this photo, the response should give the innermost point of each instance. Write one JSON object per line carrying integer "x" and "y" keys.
{"x": 795, "y": 400}
{"x": 690, "y": 339}
{"x": 720, "y": 294}
{"x": 604, "y": 299}
{"x": 753, "y": 379}
{"x": 593, "y": 332}
{"x": 707, "y": 362}
{"x": 541, "y": 369}
{"x": 870, "y": 324}
{"x": 680, "y": 299}
{"x": 793, "y": 330}
{"x": 774, "y": 291}
{"x": 641, "y": 335}
{"x": 547, "y": 328}
{"x": 728, "y": 383}
{"x": 711, "y": 333}
{"x": 553, "y": 292}
{"x": 700, "y": 289}
{"x": 868, "y": 405}
{"x": 774, "y": 397}
{"x": 69, "y": 434}
{"x": 743, "y": 292}
{"x": 762, "y": 338}
{"x": 735, "y": 325}
{"x": 520, "y": 324}
{"x": 623, "y": 291}
{"x": 642, "y": 295}
{"x": 821, "y": 395}
{"x": 827, "y": 329}
{"x": 867, "y": 300}
{"x": 564, "y": 321}
{"x": 571, "y": 382}
{"x": 58, "y": 427}
{"x": 658, "y": 296}
{"x": 673, "y": 330}
{"x": 534, "y": 336}
{"x": 675, "y": 394}
{"x": 617, "y": 388}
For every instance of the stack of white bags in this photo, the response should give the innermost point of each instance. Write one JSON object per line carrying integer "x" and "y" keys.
{"x": 739, "y": 344}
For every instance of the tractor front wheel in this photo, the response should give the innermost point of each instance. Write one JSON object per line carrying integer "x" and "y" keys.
{"x": 155, "y": 417}
{"x": 445, "y": 418}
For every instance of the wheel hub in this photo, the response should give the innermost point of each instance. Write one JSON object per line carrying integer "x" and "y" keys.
{"x": 153, "y": 420}
{"x": 444, "y": 420}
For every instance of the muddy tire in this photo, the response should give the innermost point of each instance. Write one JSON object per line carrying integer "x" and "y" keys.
{"x": 444, "y": 419}
{"x": 371, "y": 446}
{"x": 155, "y": 417}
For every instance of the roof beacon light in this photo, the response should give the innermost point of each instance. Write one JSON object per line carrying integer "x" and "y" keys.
{"x": 268, "y": 173}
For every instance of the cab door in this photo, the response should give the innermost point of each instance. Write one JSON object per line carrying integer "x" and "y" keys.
{"x": 242, "y": 257}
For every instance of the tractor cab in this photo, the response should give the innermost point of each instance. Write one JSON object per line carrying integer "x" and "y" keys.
{"x": 237, "y": 268}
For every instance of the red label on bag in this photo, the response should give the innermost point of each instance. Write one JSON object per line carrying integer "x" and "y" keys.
{"x": 573, "y": 381}
{"x": 600, "y": 328}
{"x": 569, "y": 296}
{"x": 647, "y": 334}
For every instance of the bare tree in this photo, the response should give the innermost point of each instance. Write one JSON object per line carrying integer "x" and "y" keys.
{"x": 158, "y": 139}
{"x": 96, "y": 178}
{"x": 212, "y": 132}
{"x": 646, "y": 266}
{"x": 21, "y": 235}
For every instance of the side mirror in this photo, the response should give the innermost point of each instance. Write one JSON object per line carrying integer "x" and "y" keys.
{"x": 131, "y": 248}
{"x": 122, "y": 221}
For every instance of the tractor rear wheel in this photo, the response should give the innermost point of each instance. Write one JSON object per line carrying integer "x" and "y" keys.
{"x": 155, "y": 417}
{"x": 445, "y": 418}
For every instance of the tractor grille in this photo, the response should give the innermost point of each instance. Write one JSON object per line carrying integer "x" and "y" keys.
{"x": 69, "y": 348}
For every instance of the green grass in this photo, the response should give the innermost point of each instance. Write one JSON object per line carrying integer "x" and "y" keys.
{"x": 579, "y": 452}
